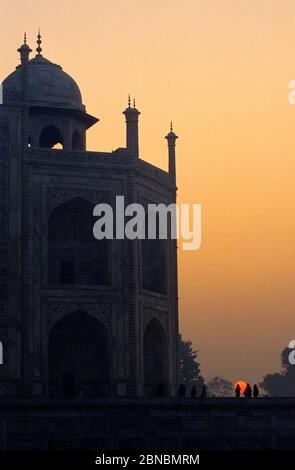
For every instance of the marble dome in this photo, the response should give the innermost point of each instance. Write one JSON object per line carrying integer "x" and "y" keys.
{"x": 48, "y": 85}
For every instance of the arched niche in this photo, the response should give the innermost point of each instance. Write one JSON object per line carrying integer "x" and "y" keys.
{"x": 155, "y": 359}
{"x": 75, "y": 257}
{"x": 79, "y": 357}
{"x": 51, "y": 137}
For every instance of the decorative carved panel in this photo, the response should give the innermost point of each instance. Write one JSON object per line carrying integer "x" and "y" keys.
{"x": 3, "y": 134}
{"x": 150, "y": 313}
{"x": 101, "y": 311}
{"x": 57, "y": 196}
{"x": 107, "y": 159}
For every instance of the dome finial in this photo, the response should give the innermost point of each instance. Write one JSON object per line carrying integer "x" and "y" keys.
{"x": 129, "y": 101}
{"x": 39, "y": 42}
{"x": 171, "y": 126}
{"x": 134, "y": 104}
{"x": 25, "y": 38}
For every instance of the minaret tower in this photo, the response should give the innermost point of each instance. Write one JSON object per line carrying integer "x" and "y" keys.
{"x": 171, "y": 139}
{"x": 131, "y": 115}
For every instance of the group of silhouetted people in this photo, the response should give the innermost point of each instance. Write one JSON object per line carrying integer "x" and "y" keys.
{"x": 248, "y": 392}
{"x": 181, "y": 393}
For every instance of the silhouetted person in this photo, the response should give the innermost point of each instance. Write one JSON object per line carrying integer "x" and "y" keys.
{"x": 238, "y": 391}
{"x": 248, "y": 391}
{"x": 181, "y": 391}
{"x": 255, "y": 391}
{"x": 193, "y": 392}
{"x": 159, "y": 390}
{"x": 204, "y": 392}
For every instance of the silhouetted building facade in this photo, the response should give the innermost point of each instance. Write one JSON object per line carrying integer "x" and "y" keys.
{"x": 78, "y": 316}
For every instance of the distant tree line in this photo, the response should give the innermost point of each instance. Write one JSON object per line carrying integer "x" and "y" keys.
{"x": 190, "y": 374}
{"x": 281, "y": 383}
{"x": 277, "y": 384}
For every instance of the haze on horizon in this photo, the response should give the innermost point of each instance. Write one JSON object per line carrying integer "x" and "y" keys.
{"x": 220, "y": 71}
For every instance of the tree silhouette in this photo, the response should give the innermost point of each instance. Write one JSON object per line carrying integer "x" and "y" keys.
{"x": 189, "y": 367}
{"x": 220, "y": 387}
{"x": 281, "y": 383}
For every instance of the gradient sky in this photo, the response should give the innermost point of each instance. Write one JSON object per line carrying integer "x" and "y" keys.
{"x": 220, "y": 70}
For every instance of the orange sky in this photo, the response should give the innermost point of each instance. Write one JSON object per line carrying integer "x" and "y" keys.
{"x": 220, "y": 70}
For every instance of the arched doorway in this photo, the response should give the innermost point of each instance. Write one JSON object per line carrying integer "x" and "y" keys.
{"x": 155, "y": 359}
{"x": 79, "y": 357}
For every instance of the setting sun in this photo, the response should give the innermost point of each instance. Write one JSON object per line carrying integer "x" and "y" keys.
{"x": 242, "y": 384}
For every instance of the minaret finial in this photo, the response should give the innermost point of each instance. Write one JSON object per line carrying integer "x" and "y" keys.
{"x": 171, "y": 136}
{"x": 24, "y": 51}
{"x": 39, "y": 42}
{"x": 129, "y": 101}
{"x": 134, "y": 103}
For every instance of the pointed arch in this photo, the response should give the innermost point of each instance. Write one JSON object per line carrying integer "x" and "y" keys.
{"x": 155, "y": 358}
{"x": 79, "y": 357}
{"x": 51, "y": 137}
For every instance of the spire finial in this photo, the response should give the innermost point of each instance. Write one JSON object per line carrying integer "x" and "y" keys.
{"x": 171, "y": 136}
{"x": 129, "y": 101}
{"x": 24, "y": 51}
{"x": 39, "y": 42}
{"x": 134, "y": 103}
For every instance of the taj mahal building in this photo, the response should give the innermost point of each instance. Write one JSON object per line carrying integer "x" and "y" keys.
{"x": 78, "y": 316}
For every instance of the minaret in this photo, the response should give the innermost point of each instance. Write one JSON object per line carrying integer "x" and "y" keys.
{"x": 24, "y": 52}
{"x": 171, "y": 139}
{"x": 131, "y": 115}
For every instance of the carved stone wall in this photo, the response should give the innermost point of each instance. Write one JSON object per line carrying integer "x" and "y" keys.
{"x": 11, "y": 95}
{"x": 4, "y": 232}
